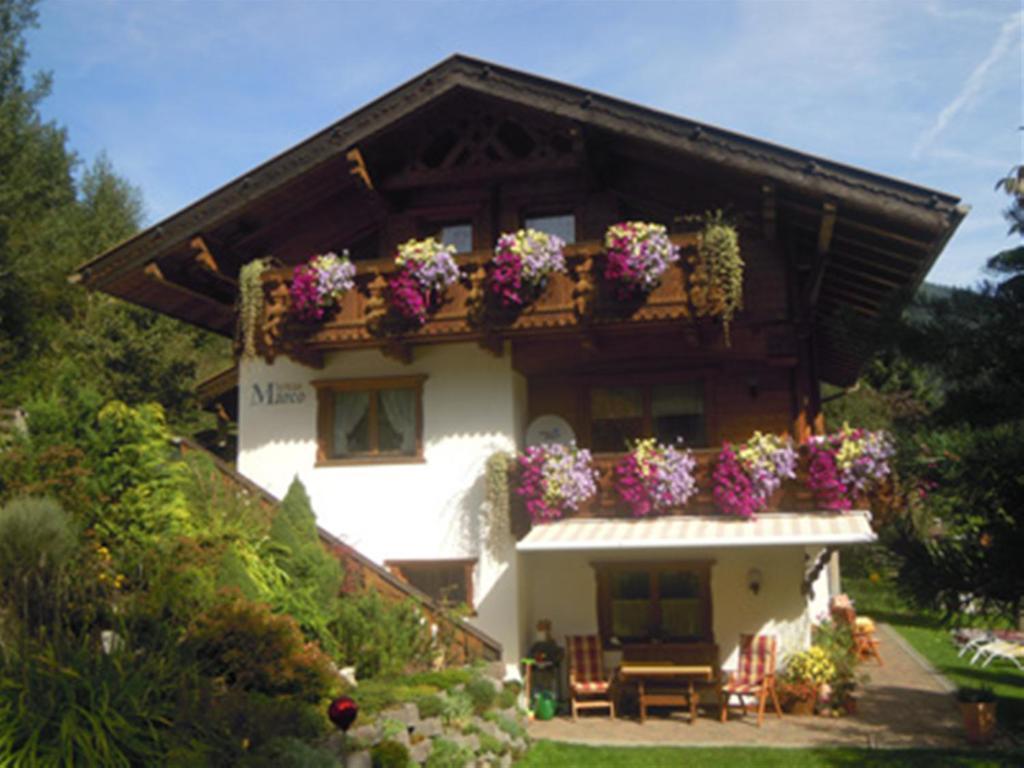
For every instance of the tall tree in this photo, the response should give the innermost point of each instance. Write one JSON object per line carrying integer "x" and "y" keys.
{"x": 50, "y": 223}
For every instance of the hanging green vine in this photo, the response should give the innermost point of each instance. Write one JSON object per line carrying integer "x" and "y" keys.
{"x": 250, "y": 298}
{"x": 717, "y": 281}
{"x": 496, "y": 500}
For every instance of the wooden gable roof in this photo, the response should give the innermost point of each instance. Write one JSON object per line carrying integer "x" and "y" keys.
{"x": 866, "y": 241}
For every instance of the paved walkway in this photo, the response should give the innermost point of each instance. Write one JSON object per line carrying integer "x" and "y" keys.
{"x": 905, "y": 704}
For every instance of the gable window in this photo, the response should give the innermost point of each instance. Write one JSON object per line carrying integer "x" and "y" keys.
{"x": 458, "y": 234}
{"x": 563, "y": 225}
{"x": 370, "y": 420}
{"x": 448, "y": 582}
{"x": 620, "y": 415}
{"x": 654, "y": 603}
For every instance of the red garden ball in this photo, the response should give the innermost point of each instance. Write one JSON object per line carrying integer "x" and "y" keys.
{"x": 343, "y": 711}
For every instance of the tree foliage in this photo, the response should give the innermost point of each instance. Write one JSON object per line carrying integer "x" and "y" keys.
{"x": 951, "y": 386}
{"x": 54, "y": 215}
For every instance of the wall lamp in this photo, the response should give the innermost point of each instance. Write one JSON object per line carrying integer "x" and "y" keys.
{"x": 754, "y": 579}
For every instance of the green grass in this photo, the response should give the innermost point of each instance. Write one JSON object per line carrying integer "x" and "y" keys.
{"x": 549, "y": 754}
{"x": 932, "y": 639}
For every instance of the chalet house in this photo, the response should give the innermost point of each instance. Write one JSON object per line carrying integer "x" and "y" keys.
{"x": 392, "y": 425}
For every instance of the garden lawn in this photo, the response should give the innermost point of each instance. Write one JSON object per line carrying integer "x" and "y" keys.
{"x": 550, "y": 754}
{"x": 929, "y": 637}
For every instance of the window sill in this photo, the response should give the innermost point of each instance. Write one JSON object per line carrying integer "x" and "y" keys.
{"x": 366, "y": 461}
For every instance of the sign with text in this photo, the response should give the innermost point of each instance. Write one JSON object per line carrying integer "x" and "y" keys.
{"x": 277, "y": 393}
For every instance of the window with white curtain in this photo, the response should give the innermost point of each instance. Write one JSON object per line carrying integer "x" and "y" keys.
{"x": 376, "y": 420}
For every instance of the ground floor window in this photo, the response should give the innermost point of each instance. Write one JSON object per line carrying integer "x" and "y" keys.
{"x": 446, "y": 581}
{"x": 644, "y": 603}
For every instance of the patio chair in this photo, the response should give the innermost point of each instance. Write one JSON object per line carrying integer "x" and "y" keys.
{"x": 755, "y": 676}
{"x": 589, "y": 686}
{"x": 972, "y": 639}
{"x": 1000, "y": 649}
{"x": 862, "y": 629}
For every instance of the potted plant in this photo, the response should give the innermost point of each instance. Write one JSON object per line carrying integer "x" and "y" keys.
{"x": 426, "y": 268}
{"x": 319, "y": 285}
{"x": 638, "y": 254}
{"x": 978, "y": 706}
{"x": 655, "y": 478}
{"x": 847, "y": 464}
{"x": 522, "y": 263}
{"x": 555, "y": 479}
{"x": 807, "y": 675}
{"x": 798, "y": 697}
{"x": 747, "y": 476}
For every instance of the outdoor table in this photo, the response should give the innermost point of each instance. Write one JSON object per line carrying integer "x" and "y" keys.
{"x": 680, "y": 677}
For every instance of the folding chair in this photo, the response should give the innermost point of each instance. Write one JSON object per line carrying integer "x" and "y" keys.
{"x": 589, "y": 686}
{"x": 755, "y": 676}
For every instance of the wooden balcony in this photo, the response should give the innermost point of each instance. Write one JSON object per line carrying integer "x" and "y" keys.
{"x": 793, "y": 496}
{"x": 572, "y": 301}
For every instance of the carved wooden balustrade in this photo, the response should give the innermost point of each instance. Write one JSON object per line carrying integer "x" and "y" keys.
{"x": 574, "y": 300}
{"x": 793, "y": 496}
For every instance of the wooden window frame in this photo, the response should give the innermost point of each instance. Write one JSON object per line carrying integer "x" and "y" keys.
{"x": 325, "y": 390}
{"x": 397, "y": 567}
{"x": 604, "y": 572}
{"x": 646, "y": 383}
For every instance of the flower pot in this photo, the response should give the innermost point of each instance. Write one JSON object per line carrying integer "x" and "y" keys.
{"x": 850, "y": 705}
{"x": 801, "y": 707}
{"x": 979, "y": 720}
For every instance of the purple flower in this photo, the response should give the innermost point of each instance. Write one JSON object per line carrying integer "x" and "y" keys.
{"x": 638, "y": 255}
{"x": 522, "y": 263}
{"x": 655, "y": 479}
{"x": 554, "y": 479}
{"x": 319, "y": 285}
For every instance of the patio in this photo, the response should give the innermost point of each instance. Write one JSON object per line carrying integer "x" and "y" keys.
{"x": 905, "y": 704}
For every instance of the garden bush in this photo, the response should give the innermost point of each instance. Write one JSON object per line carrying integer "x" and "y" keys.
{"x": 389, "y": 754}
{"x": 37, "y": 543}
{"x": 448, "y": 754}
{"x": 381, "y": 638}
{"x": 430, "y": 706}
{"x": 67, "y": 703}
{"x": 252, "y": 649}
{"x": 289, "y": 752}
{"x": 482, "y": 693}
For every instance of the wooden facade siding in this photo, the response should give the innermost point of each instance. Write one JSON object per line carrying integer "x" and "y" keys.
{"x": 473, "y": 141}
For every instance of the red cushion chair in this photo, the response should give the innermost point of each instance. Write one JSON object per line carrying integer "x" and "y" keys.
{"x": 589, "y": 686}
{"x": 755, "y": 676}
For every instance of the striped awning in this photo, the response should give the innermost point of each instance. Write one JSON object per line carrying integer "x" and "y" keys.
{"x": 769, "y": 530}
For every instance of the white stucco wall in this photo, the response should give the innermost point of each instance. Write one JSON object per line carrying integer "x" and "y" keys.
{"x": 473, "y": 405}
{"x": 562, "y": 587}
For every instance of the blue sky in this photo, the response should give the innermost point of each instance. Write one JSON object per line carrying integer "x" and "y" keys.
{"x": 184, "y": 96}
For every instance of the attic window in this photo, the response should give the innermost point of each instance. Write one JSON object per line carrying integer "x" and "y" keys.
{"x": 563, "y": 225}
{"x": 459, "y": 234}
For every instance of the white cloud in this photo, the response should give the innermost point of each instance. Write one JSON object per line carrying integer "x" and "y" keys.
{"x": 1007, "y": 39}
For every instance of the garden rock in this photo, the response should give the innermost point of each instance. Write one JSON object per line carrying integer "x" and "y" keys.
{"x": 359, "y": 760}
{"x": 409, "y": 714}
{"x": 430, "y": 727}
{"x": 467, "y": 740}
{"x": 364, "y": 734}
{"x": 421, "y": 751}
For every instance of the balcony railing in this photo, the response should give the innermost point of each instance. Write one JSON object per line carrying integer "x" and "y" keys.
{"x": 793, "y": 495}
{"x": 576, "y": 298}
